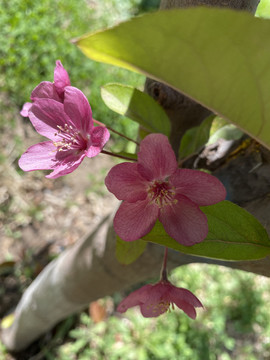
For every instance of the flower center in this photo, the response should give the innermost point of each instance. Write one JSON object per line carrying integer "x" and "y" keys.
{"x": 160, "y": 307}
{"x": 71, "y": 138}
{"x": 162, "y": 193}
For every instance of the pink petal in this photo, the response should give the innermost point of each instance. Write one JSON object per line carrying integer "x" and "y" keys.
{"x": 45, "y": 90}
{"x": 153, "y": 310}
{"x": 158, "y": 301}
{"x": 181, "y": 294}
{"x": 44, "y": 156}
{"x": 38, "y": 157}
{"x": 25, "y": 110}
{"x": 66, "y": 164}
{"x": 78, "y": 109}
{"x": 187, "y": 308}
{"x": 156, "y": 158}
{"x": 184, "y": 221}
{"x": 46, "y": 115}
{"x": 61, "y": 78}
{"x": 134, "y": 220}
{"x": 124, "y": 181}
{"x": 199, "y": 187}
{"x": 99, "y": 136}
{"x": 135, "y": 298}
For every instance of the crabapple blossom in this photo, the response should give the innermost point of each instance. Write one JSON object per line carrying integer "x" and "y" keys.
{"x": 156, "y": 299}
{"x": 69, "y": 127}
{"x": 49, "y": 90}
{"x": 155, "y": 188}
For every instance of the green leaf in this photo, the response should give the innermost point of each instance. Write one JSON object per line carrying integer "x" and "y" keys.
{"x": 136, "y": 105}
{"x": 128, "y": 252}
{"x": 227, "y": 132}
{"x": 263, "y": 9}
{"x": 195, "y": 138}
{"x": 234, "y": 234}
{"x": 218, "y": 57}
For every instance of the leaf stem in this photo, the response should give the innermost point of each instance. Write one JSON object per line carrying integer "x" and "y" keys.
{"x": 163, "y": 275}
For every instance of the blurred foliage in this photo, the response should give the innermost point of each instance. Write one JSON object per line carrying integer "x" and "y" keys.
{"x": 233, "y": 325}
{"x": 35, "y": 34}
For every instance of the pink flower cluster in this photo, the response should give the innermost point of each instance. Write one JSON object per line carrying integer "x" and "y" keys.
{"x": 154, "y": 188}
{"x": 156, "y": 299}
{"x": 61, "y": 113}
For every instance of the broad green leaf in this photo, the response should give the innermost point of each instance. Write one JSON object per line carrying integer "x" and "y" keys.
{"x": 128, "y": 252}
{"x": 227, "y": 132}
{"x": 263, "y": 9}
{"x": 195, "y": 138}
{"x": 234, "y": 234}
{"x": 136, "y": 105}
{"x": 218, "y": 57}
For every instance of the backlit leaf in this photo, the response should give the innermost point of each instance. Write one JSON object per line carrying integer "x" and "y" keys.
{"x": 218, "y": 57}
{"x": 136, "y": 105}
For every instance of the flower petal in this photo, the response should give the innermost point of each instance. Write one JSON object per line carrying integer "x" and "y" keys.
{"x": 184, "y": 221}
{"x": 46, "y": 115}
{"x": 200, "y": 187}
{"x": 181, "y": 294}
{"x": 135, "y": 298}
{"x": 156, "y": 158}
{"x": 124, "y": 181}
{"x": 99, "y": 136}
{"x": 66, "y": 165}
{"x": 187, "y": 308}
{"x": 61, "y": 78}
{"x": 78, "y": 109}
{"x": 154, "y": 310}
{"x": 134, "y": 220}
{"x": 45, "y": 90}
{"x": 38, "y": 157}
{"x": 25, "y": 110}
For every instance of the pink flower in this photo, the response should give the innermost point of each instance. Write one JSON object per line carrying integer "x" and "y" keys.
{"x": 154, "y": 188}
{"x": 69, "y": 126}
{"x": 49, "y": 90}
{"x": 156, "y": 299}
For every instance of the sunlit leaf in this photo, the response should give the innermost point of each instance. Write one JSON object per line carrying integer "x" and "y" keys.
{"x": 136, "y": 105}
{"x": 227, "y": 132}
{"x": 7, "y": 321}
{"x": 218, "y": 57}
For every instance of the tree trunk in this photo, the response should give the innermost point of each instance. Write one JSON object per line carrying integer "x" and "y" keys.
{"x": 89, "y": 270}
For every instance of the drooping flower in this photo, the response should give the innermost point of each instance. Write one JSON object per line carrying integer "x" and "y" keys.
{"x": 49, "y": 90}
{"x": 69, "y": 126}
{"x": 155, "y": 188}
{"x": 156, "y": 299}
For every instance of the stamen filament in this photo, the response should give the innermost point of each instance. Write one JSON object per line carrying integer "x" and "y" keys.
{"x": 116, "y": 132}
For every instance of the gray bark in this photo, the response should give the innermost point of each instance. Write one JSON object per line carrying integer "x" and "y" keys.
{"x": 89, "y": 270}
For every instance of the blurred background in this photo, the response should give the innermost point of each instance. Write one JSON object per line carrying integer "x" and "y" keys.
{"x": 39, "y": 217}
